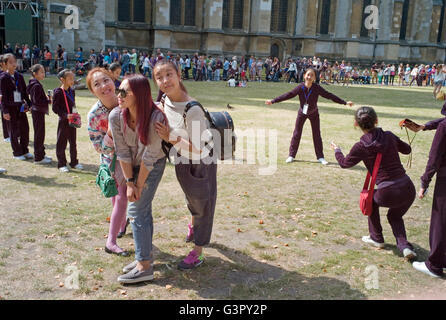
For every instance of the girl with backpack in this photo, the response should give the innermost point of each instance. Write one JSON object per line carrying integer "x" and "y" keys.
{"x": 196, "y": 170}
{"x": 395, "y": 189}
{"x": 308, "y": 93}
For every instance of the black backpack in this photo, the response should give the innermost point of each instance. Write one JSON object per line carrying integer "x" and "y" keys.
{"x": 219, "y": 121}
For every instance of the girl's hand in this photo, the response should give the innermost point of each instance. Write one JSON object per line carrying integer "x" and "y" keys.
{"x": 163, "y": 131}
{"x": 334, "y": 146}
{"x": 268, "y": 102}
{"x": 6, "y": 116}
{"x": 350, "y": 103}
{"x": 421, "y": 193}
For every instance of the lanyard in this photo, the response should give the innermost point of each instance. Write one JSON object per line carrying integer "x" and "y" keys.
{"x": 69, "y": 95}
{"x": 307, "y": 96}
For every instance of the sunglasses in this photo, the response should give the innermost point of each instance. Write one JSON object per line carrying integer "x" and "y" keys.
{"x": 121, "y": 92}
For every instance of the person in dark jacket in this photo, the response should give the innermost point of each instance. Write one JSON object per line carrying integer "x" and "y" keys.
{"x": 436, "y": 262}
{"x": 5, "y": 123}
{"x": 308, "y": 93}
{"x": 395, "y": 190}
{"x": 39, "y": 107}
{"x": 15, "y": 104}
{"x": 62, "y": 97}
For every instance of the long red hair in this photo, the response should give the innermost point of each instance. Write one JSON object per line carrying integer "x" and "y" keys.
{"x": 145, "y": 106}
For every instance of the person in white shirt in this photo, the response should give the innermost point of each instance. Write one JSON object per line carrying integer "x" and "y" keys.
{"x": 414, "y": 74}
{"x": 439, "y": 78}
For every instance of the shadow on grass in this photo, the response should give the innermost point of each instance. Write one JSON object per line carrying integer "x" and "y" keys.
{"x": 239, "y": 276}
{"x": 37, "y": 180}
{"x": 422, "y": 254}
{"x": 331, "y": 165}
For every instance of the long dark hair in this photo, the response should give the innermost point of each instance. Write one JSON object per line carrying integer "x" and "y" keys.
{"x": 145, "y": 106}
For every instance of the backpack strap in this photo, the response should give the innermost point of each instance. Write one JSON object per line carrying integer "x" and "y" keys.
{"x": 193, "y": 104}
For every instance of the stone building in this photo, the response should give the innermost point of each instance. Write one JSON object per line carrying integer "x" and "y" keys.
{"x": 409, "y": 30}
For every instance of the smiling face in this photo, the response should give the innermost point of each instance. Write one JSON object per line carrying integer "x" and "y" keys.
{"x": 310, "y": 76}
{"x": 68, "y": 81}
{"x": 102, "y": 86}
{"x": 167, "y": 79}
{"x": 129, "y": 100}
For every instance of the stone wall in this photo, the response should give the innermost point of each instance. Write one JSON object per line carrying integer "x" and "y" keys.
{"x": 99, "y": 27}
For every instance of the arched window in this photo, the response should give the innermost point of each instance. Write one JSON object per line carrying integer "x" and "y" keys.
{"x": 404, "y": 17}
{"x": 124, "y": 10}
{"x": 189, "y": 13}
{"x": 226, "y": 13}
{"x": 440, "y": 27}
{"x": 364, "y": 31}
{"x": 325, "y": 16}
{"x": 279, "y": 15}
{"x": 182, "y": 12}
{"x": 237, "y": 22}
{"x": 139, "y": 10}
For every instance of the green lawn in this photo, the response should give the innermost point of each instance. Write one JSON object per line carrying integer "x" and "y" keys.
{"x": 291, "y": 235}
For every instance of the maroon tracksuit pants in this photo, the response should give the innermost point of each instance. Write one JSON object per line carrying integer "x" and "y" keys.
{"x": 19, "y": 132}
{"x": 5, "y": 126}
{"x": 398, "y": 198}
{"x": 297, "y": 134}
{"x": 437, "y": 234}
{"x": 65, "y": 134}
{"x": 39, "y": 135}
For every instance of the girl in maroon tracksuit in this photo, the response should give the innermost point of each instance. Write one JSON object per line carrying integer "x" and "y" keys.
{"x": 395, "y": 189}
{"x": 436, "y": 262}
{"x": 5, "y": 123}
{"x": 308, "y": 93}
{"x": 65, "y": 133}
{"x": 15, "y": 104}
{"x": 39, "y": 107}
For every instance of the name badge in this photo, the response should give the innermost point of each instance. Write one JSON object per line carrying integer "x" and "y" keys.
{"x": 17, "y": 96}
{"x": 305, "y": 110}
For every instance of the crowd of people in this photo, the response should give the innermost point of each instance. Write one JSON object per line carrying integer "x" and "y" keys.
{"x": 130, "y": 131}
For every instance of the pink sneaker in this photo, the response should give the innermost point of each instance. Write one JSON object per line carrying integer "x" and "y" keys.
{"x": 192, "y": 261}
{"x": 190, "y": 233}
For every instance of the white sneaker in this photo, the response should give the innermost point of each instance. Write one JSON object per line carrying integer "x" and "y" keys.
{"x": 289, "y": 160}
{"x": 44, "y": 161}
{"x": 79, "y": 167}
{"x": 64, "y": 169}
{"x": 323, "y": 161}
{"x": 7, "y": 140}
{"x": 3, "y": 171}
{"x": 21, "y": 158}
{"x": 409, "y": 254}
{"x": 421, "y": 266}
{"x": 28, "y": 156}
{"x": 369, "y": 240}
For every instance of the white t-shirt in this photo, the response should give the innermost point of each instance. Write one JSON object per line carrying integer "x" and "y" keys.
{"x": 439, "y": 76}
{"x": 146, "y": 63}
{"x": 231, "y": 82}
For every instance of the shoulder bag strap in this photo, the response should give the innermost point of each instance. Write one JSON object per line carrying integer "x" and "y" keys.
{"x": 113, "y": 164}
{"x": 375, "y": 172}
{"x": 193, "y": 104}
{"x": 66, "y": 101}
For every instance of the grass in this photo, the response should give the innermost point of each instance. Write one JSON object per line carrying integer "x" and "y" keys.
{"x": 307, "y": 246}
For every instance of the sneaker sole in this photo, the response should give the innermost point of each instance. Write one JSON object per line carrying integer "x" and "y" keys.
{"x": 141, "y": 279}
{"x": 194, "y": 267}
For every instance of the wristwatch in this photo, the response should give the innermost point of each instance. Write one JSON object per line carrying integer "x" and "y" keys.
{"x": 132, "y": 180}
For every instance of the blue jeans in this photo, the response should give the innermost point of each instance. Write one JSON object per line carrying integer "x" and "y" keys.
{"x": 140, "y": 213}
